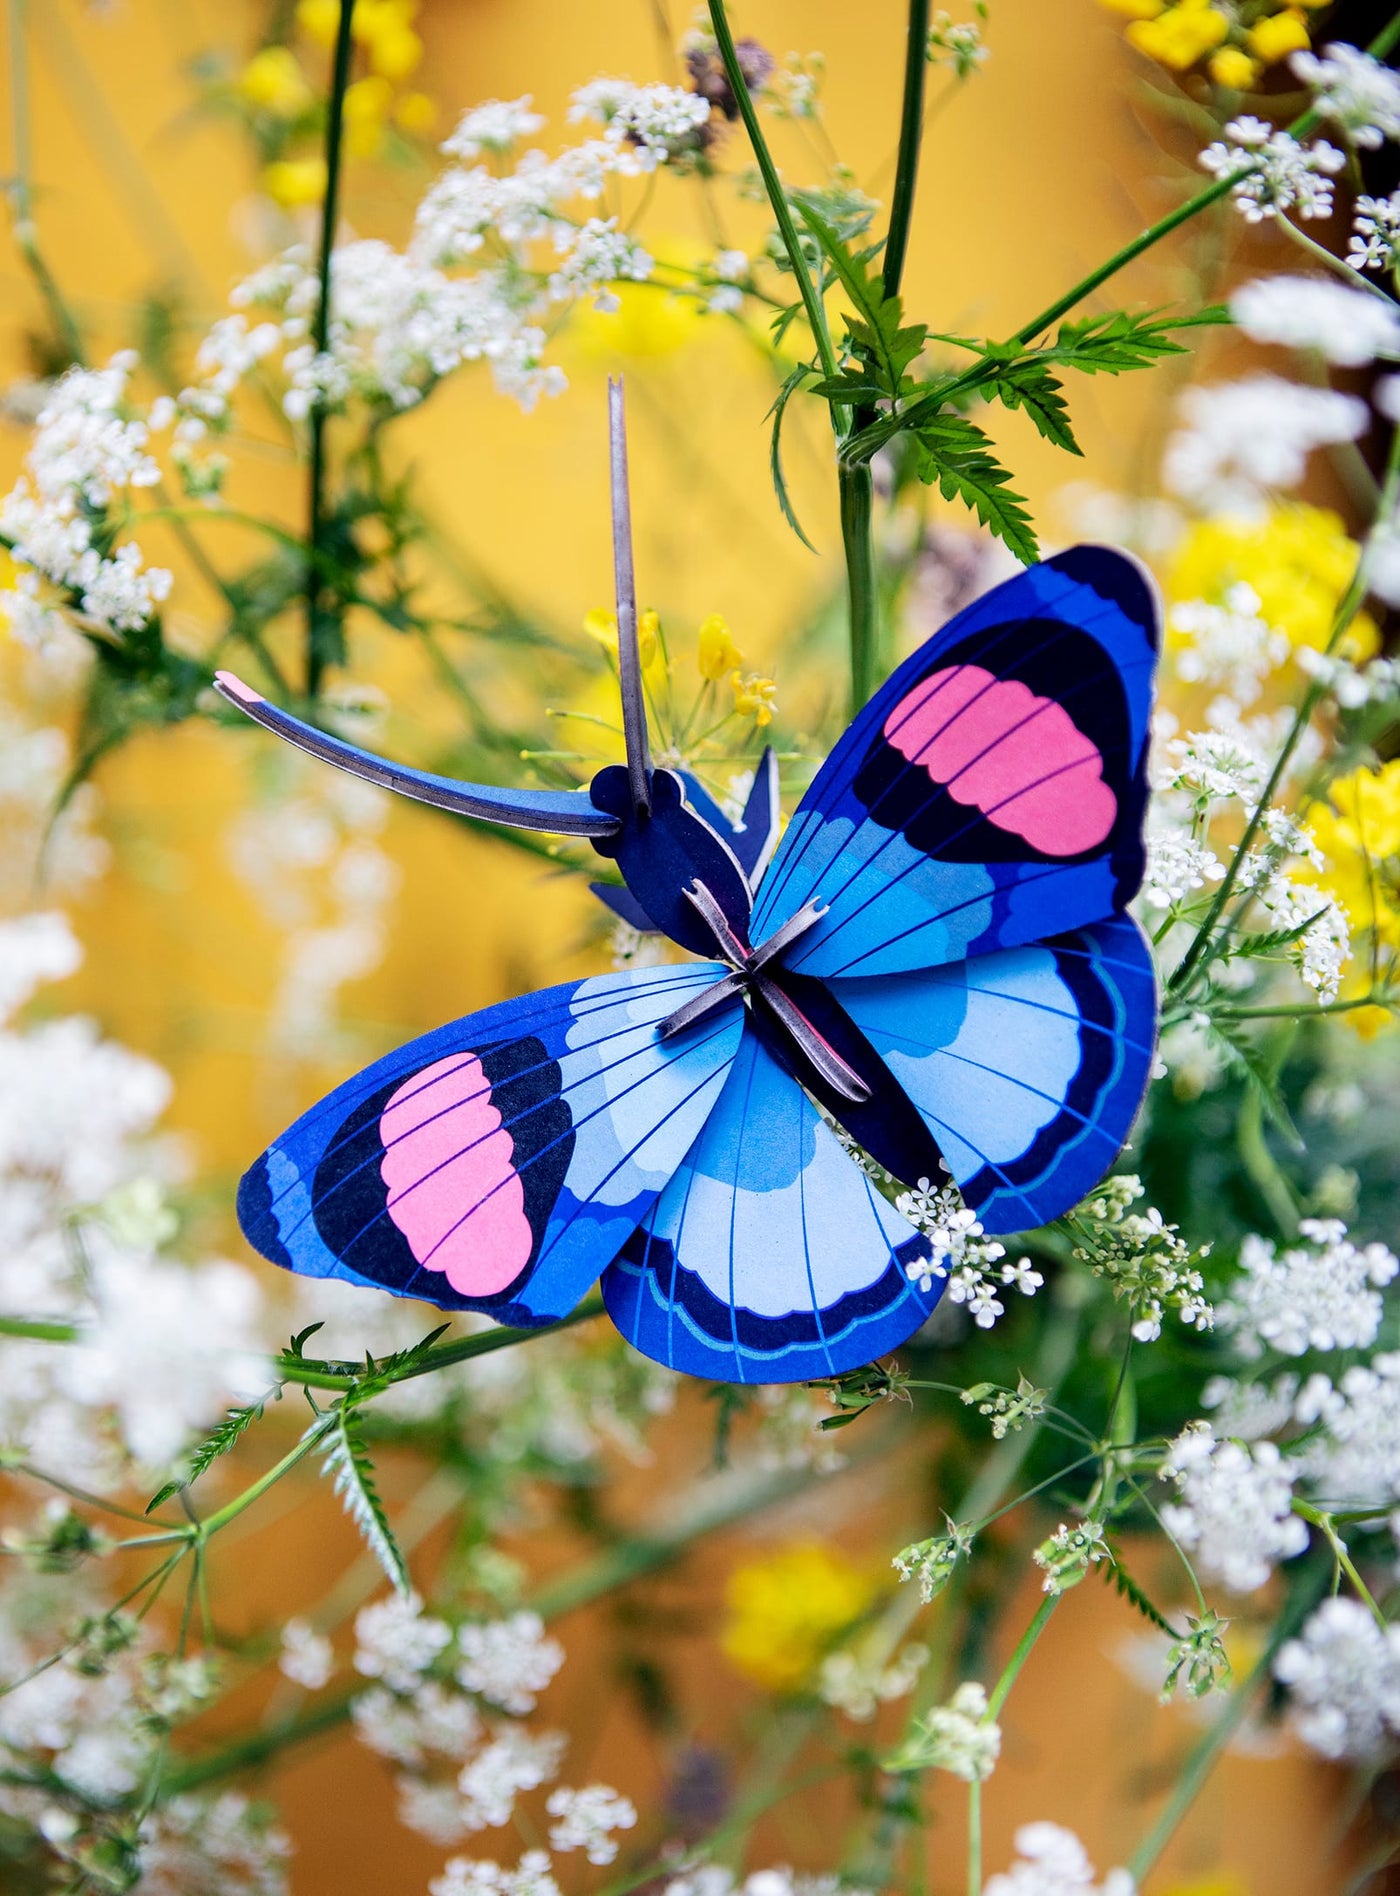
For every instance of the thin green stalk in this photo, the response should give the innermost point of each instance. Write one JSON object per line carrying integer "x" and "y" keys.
{"x": 319, "y": 1375}
{"x": 1312, "y": 697}
{"x": 317, "y": 654}
{"x": 974, "y": 1838}
{"x": 857, "y": 492}
{"x": 1024, "y": 1647}
{"x": 772, "y": 184}
{"x": 1341, "y": 1553}
{"x": 911, "y": 132}
{"x": 312, "y": 1439}
{"x": 1207, "y": 1752}
{"x": 39, "y": 1329}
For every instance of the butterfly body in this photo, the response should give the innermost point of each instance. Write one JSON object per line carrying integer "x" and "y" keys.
{"x": 935, "y": 969}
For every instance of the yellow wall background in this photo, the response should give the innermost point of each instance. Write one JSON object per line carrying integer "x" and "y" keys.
{"x": 1035, "y": 171}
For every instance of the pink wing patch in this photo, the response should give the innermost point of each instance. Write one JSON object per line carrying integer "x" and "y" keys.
{"x": 448, "y": 1168}
{"x": 1019, "y": 759}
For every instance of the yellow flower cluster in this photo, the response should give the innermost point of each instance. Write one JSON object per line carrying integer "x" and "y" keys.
{"x": 1358, "y": 832}
{"x": 787, "y": 1610}
{"x": 1179, "y": 34}
{"x": 717, "y": 659}
{"x": 1299, "y": 561}
{"x": 282, "y": 100}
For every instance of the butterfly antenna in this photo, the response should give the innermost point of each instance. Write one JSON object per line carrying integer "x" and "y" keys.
{"x": 629, "y": 658}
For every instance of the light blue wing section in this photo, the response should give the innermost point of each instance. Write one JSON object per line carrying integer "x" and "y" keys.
{"x": 770, "y": 1257}
{"x": 1028, "y": 1065}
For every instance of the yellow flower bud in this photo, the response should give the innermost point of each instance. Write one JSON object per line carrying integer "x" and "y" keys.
{"x": 293, "y": 182}
{"x": 754, "y": 696}
{"x": 715, "y": 652}
{"x": 395, "y": 53}
{"x": 416, "y": 114}
{"x": 648, "y": 637}
{"x": 367, "y": 104}
{"x": 273, "y": 82}
{"x": 1135, "y": 9}
{"x": 318, "y": 19}
{"x": 1233, "y": 68}
{"x": 601, "y": 625}
{"x": 1179, "y": 38}
{"x": 1274, "y": 39}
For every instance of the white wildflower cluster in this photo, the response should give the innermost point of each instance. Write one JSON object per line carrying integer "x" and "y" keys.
{"x": 1008, "y": 1410}
{"x": 1378, "y": 681}
{"x": 960, "y": 1252}
{"x": 586, "y": 1820}
{"x": 1354, "y": 1458}
{"x": 1355, "y": 91}
{"x": 1213, "y": 766}
{"x": 1247, "y": 439}
{"x": 434, "y": 1708}
{"x": 1273, "y": 173}
{"x": 1051, "y": 1861}
{"x": 1233, "y": 1511}
{"x": 859, "y": 1683}
{"x": 1177, "y": 865}
{"x": 1375, "y": 239}
{"x": 1323, "y": 948}
{"x": 163, "y": 1346}
{"x": 1250, "y": 1410}
{"x": 1227, "y": 644}
{"x": 307, "y": 1657}
{"x": 712, "y": 1879}
{"x": 956, "y": 43}
{"x": 1145, "y": 1260}
{"x": 958, "y": 1737}
{"x": 1346, "y": 326}
{"x": 1066, "y": 1557}
{"x": 1343, "y": 1680}
{"x": 469, "y": 1876}
{"x": 932, "y": 1562}
{"x": 223, "y": 1842}
{"x": 1321, "y": 1294}
{"x": 62, "y": 515}
{"x": 502, "y": 246}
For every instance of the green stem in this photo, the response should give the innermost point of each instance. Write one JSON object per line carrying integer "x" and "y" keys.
{"x": 39, "y": 1329}
{"x": 320, "y": 1375}
{"x": 772, "y": 184}
{"x": 1024, "y": 1647}
{"x": 1341, "y": 1553}
{"x": 857, "y": 489}
{"x": 312, "y": 1439}
{"x": 1346, "y": 612}
{"x": 911, "y": 130}
{"x": 1206, "y": 1754}
{"x": 974, "y": 1839}
{"x": 317, "y": 654}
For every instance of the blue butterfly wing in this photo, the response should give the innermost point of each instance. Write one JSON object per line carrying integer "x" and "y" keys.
{"x": 1028, "y": 1065}
{"x": 992, "y": 791}
{"x": 770, "y": 1256}
{"x": 498, "y": 1163}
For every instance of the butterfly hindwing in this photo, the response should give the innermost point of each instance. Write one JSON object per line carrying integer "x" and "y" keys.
{"x": 498, "y": 1163}
{"x": 1028, "y": 1065}
{"x": 992, "y": 791}
{"x": 770, "y": 1256}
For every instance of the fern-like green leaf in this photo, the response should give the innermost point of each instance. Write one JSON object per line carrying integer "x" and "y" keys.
{"x": 218, "y": 1442}
{"x": 347, "y": 1461}
{"x": 1125, "y": 1584}
{"x": 775, "y": 452}
{"x": 956, "y": 454}
{"x": 1031, "y": 386}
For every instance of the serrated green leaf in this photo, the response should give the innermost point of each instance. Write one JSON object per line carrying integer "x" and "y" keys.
{"x": 1117, "y": 342}
{"x": 1125, "y": 1584}
{"x": 347, "y": 1461}
{"x": 218, "y": 1442}
{"x": 878, "y": 332}
{"x": 1260, "y": 1078}
{"x": 1242, "y": 946}
{"x": 775, "y": 453}
{"x": 1030, "y": 386}
{"x": 956, "y": 455}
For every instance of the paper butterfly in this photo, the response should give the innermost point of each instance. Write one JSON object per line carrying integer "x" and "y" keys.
{"x": 936, "y": 958}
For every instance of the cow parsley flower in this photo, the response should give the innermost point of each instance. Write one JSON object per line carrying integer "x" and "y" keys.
{"x": 660, "y": 121}
{"x": 1273, "y": 173}
{"x": 1234, "y": 1507}
{"x": 957, "y": 1737}
{"x": 492, "y": 127}
{"x": 1066, "y": 1557}
{"x": 1051, "y": 1861}
{"x": 508, "y": 1662}
{"x": 1323, "y": 1294}
{"x": 1176, "y": 866}
{"x": 1243, "y": 440}
{"x": 932, "y": 1562}
{"x": 396, "y": 1641}
{"x": 1250, "y": 1411}
{"x": 466, "y": 1876}
{"x": 1343, "y": 1680}
{"x": 1348, "y": 327}
{"x": 1356, "y": 1458}
{"x": 513, "y": 1762}
{"x": 594, "y": 256}
{"x": 1227, "y": 643}
{"x": 1355, "y": 91}
{"x": 958, "y": 1250}
{"x": 1147, "y": 1262}
{"x": 307, "y": 1657}
{"x": 859, "y": 1683}
{"x": 585, "y": 1820}
{"x": 1375, "y": 237}
{"x": 1214, "y": 767}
